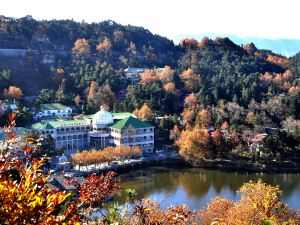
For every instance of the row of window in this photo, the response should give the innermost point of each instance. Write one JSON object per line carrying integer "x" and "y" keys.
{"x": 70, "y": 129}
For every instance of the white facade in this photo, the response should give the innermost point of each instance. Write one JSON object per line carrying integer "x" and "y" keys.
{"x": 142, "y": 137}
{"x": 74, "y": 135}
{"x": 54, "y": 109}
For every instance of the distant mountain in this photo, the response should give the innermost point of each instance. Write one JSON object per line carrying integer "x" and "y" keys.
{"x": 286, "y": 47}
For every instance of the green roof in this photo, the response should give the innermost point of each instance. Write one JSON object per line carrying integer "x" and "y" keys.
{"x": 134, "y": 122}
{"x": 54, "y": 106}
{"x": 56, "y": 124}
{"x": 122, "y": 115}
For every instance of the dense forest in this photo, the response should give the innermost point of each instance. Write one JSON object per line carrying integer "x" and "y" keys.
{"x": 238, "y": 90}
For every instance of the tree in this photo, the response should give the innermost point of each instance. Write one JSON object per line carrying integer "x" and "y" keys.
{"x": 191, "y": 80}
{"x": 166, "y": 74}
{"x": 13, "y": 92}
{"x": 104, "y": 46}
{"x": 194, "y": 145}
{"x": 77, "y": 100}
{"x": 260, "y": 203}
{"x": 174, "y": 133}
{"x": 225, "y": 125}
{"x": 218, "y": 141}
{"x": 250, "y": 118}
{"x": 144, "y": 113}
{"x": 204, "y": 119}
{"x": 170, "y": 87}
{"x": 81, "y": 47}
{"x": 190, "y": 101}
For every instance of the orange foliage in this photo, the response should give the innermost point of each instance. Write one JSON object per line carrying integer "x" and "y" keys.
{"x": 225, "y": 125}
{"x": 217, "y": 208}
{"x": 190, "y": 42}
{"x": 149, "y": 76}
{"x": 13, "y": 92}
{"x": 278, "y": 60}
{"x": 166, "y": 74}
{"x": 106, "y": 155}
{"x": 259, "y": 203}
{"x": 170, "y": 87}
{"x": 194, "y": 145}
{"x": 81, "y": 46}
{"x": 25, "y": 195}
{"x": 188, "y": 116}
{"x": 144, "y": 113}
{"x": 294, "y": 89}
{"x": 203, "y": 41}
{"x": 190, "y": 79}
{"x": 105, "y": 45}
{"x": 190, "y": 101}
{"x": 203, "y": 119}
{"x": 92, "y": 90}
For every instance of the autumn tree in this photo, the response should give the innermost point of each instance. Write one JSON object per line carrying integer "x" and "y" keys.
{"x": 170, "y": 87}
{"x": 204, "y": 119}
{"x": 191, "y": 80}
{"x": 104, "y": 46}
{"x": 166, "y": 75}
{"x": 259, "y": 204}
{"x": 250, "y": 118}
{"x": 219, "y": 142}
{"x": 101, "y": 95}
{"x": 190, "y": 101}
{"x": 225, "y": 125}
{"x": 81, "y": 47}
{"x": 149, "y": 76}
{"x": 194, "y": 145}
{"x": 144, "y": 113}
{"x": 189, "y": 42}
{"x": 13, "y": 92}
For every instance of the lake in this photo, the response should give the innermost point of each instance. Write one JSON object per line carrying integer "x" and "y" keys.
{"x": 196, "y": 187}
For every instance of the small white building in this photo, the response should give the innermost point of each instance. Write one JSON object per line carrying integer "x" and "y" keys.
{"x": 7, "y": 104}
{"x": 134, "y": 74}
{"x": 53, "y": 109}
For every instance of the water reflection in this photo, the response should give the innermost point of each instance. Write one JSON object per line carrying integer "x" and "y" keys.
{"x": 195, "y": 187}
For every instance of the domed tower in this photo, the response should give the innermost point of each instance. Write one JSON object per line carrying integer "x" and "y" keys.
{"x": 99, "y": 136}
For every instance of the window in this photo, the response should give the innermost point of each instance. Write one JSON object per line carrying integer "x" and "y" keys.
{"x": 145, "y": 130}
{"x": 145, "y": 137}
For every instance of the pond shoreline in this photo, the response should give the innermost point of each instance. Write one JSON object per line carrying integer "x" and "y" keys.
{"x": 216, "y": 164}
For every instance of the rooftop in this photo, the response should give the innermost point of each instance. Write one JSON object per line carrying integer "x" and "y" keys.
{"x": 54, "y": 106}
{"x": 56, "y": 124}
{"x": 130, "y": 121}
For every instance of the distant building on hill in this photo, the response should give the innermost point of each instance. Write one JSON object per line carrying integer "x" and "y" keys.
{"x": 99, "y": 131}
{"x": 7, "y": 104}
{"x": 53, "y": 109}
{"x": 6, "y": 52}
{"x": 134, "y": 74}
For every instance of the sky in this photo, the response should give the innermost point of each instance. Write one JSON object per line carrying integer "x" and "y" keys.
{"x": 270, "y": 19}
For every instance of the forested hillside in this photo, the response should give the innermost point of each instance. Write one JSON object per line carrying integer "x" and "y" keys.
{"x": 236, "y": 92}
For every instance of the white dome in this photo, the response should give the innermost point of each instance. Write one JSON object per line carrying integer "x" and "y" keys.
{"x": 102, "y": 118}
